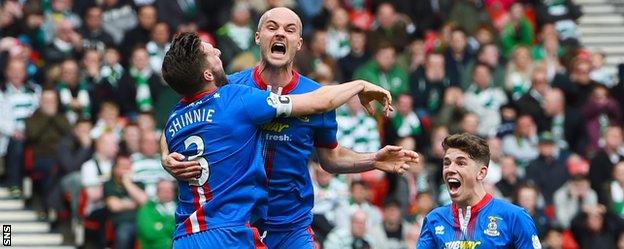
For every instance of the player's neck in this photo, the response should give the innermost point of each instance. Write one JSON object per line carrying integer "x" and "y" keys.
{"x": 276, "y": 76}
{"x": 475, "y": 198}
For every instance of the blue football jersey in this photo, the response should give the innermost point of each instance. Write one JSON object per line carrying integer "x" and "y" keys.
{"x": 492, "y": 223}
{"x": 220, "y": 129}
{"x": 288, "y": 143}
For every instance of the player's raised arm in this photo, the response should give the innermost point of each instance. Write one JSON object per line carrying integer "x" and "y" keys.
{"x": 331, "y": 97}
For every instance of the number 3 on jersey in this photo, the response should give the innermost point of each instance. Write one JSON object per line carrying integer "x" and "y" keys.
{"x": 199, "y": 143}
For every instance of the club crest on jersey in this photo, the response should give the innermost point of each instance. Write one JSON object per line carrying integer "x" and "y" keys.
{"x": 492, "y": 227}
{"x": 439, "y": 230}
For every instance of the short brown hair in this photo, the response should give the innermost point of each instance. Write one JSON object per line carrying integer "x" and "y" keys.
{"x": 184, "y": 64}
{"x": 476, "y": 148}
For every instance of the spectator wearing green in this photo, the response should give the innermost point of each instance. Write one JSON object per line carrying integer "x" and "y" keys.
{"x": 383, "y": 71}
{"x": 518, "y": 31}
{"x": 156, "y": 221}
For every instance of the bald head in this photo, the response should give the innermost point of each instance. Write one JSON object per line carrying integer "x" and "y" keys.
{"x": 280, "y": 13}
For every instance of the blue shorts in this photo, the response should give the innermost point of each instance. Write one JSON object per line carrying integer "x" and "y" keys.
{"x": 300, "y": 238}
{"x": 241, "y": 237}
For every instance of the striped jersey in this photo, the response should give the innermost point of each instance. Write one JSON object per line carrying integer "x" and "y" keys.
{"x": 288, "y": 143}
{"x": 219, "y": 129}
{"x": 23, "y": 101}
{"x": 148, "y": 170}
{"x": 491, "y": 223}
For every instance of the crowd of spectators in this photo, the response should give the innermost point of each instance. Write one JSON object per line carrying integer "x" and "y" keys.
{"x": 82, "y": 103}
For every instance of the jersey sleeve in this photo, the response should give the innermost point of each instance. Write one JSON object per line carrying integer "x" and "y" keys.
{"x": 325, "y": 134}
{"x": 427, "y": 236}
{"x": 525, "y": 232}
{"x": 256, "y": 105}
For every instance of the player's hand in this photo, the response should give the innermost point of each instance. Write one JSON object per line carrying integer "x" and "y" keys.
{"x": 182, "y": 170}
{"x": 394, "y": 159}
{"x": 372, "y": 93}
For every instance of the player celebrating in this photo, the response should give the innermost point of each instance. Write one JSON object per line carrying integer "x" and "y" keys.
{"x": 289, "y": 142}
{"x": 474, "y": 219}
{"x": 218, "y": 128}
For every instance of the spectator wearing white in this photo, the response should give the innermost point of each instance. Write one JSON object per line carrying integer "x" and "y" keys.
{"x": 600, "y": 73}
{"x": 484, "y": 100}
{"x": 329, "y": 194}
{"x": 118, "y": 16}
{"x": 338, "y": 34}
{"x": 146, "y": 165}
{"x": 572, "y": 198}
{"x": 519, "y": 68}
{"x": 522, "y": 144}
{"x": 395, "y": 228}
{"x": 358, "y": 235}
{"x": 358, "y": 194}
{"x": 158, "y": 46}
{"x": 357, "y": 130}
{"x": 61, "y": 10}
{"x": 95, "y": 172}
{"x": 22, "y": 98}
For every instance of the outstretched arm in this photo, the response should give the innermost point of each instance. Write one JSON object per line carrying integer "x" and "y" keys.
{"x": 331, "y": 97}
{"x": 392, "y": 159}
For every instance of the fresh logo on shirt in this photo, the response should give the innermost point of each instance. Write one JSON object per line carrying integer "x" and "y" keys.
{"x": 492, "y": 228}
{"x": 462, "y": 244}
{"x": 439, "y": 230}
{"x": 536, "y": 242}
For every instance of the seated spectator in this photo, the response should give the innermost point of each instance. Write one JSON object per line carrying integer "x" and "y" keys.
{"x": 563, "y": 14}
{"x": 489, "y": 55}
{"x": 130, "y": 140}
{"x": 358, "y": 200}
{"x": 60, "y": 10}
{"x": 408, "y": 186}
{"x": 146, "y": 167}
{"x": 469, "y": 123}
{"x": 615, "y": 190}
{"x": 146, "y": 123}
{"x": 74, "y": 94}
{"x": 522, "y": 145}
{"x": 108, "y": 121}
{"x": 388, "y": 24}
{"x": 457, "y": 56}
{"x": 553, "y": 238}
{"x": 423, "y": 204}
{"x": 527, "y": 197}
{"x": 510, "y": 179}
{"x": 518, "y": 31}
{"x": 395, "y": 227}
{"x": 357, "y": 235}
{"x": 434, "y": 154}
{"x": 93, "y": 35}
{"x": 118, "y": 16}
{"x": 485, "y": 100}
{"x": 139, "y": 32}
{"x": 22, "y": 97}
{"x": 565, "y": 123}
{"x": 383, "y": 71}
{"x": 158, "y": 46}
{"x": 123, "y": 198}
{"x": 237, "y": 35}
{"x": 90, "y": 70}
{"x": 596, "y": 228}
{"x": 604, "y": 160}
{"x": 428, "y": 84}
{"x": 338, "y": 35}
{"x": 484, "y": 34}
{"x": 329, "y": 194}
{"x": 403, "y": 123}
{"x": 509, "y": 114}
{"x": 468, "y": 15}
{"x": 600, "y": 73}
{"x": 452, "y": 110}
{"x": 548, "y": 171}
{"x": 307, "y": 60}
{"x": 576, "y": 83}
{"x": 184, "y": 14}
{"x": 356, "y": 129}
{"x": 549, "y": 52}
{"x": 66, "y": 44}
{"x": 600, "y": 111}
{"x": 74, "y": 149}
{"x": 414, "y": 55}
{"x": 533, "y": 100}
{"x": 155, "y": 218}
{"x": 519, "y": 70}
{"x": 572, "y": 197}
{"x": 110, "y": 74}
{"x": 140, "y": 85}
{"x": 357, "y": 55}
{"x": 44, "y": 129}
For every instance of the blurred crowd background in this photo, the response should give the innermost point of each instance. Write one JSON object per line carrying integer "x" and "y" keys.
{"x": 82, "y": 105}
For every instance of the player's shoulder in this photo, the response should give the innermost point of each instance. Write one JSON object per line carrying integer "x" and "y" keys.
{"x": 506, "y": 206}
{"x": 306, "y": 84}
{"x": 442, "y": 211}
{"x": 242, "y": 77}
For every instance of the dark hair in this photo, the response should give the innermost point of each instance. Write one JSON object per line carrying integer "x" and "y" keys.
{"x": 476, "y": 148}
{"x": 184, "y": 63}
{"x": 481, "y": 64}
{"x": 383, "y": 45}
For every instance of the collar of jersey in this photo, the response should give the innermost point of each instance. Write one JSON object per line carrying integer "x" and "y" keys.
{"x": 262, "y": 85}
{"x": 474, "y": 209}
{"x": 199, "y": 95}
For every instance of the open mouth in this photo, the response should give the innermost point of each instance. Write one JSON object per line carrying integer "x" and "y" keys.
{"x": 453, "y": 184}
{"x": 278, "y": 48}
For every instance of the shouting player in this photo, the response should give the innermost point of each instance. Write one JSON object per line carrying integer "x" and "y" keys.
{"x": 289, "y": 142}
{"x": 474, "y": 219}
{"x": 216, "y": 124}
